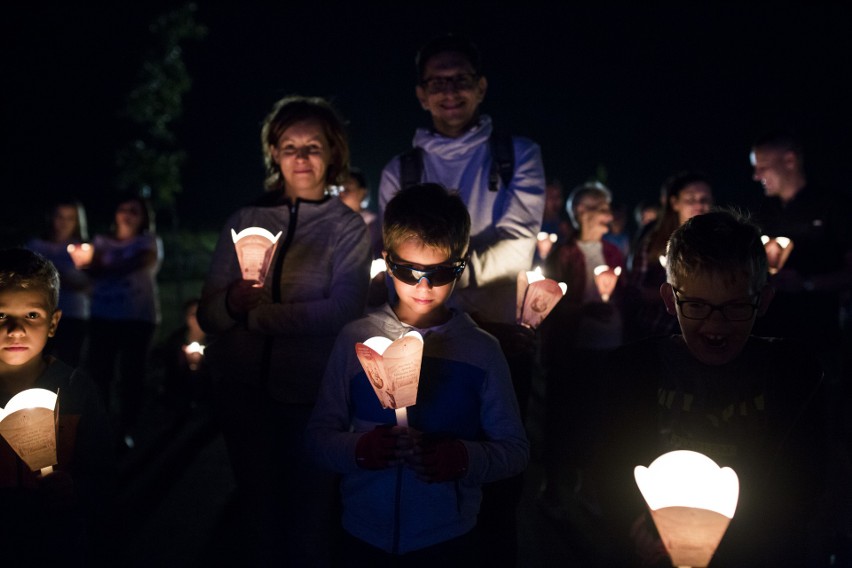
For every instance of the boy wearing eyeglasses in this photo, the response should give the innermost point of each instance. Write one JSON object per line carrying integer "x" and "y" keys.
{"x": 748, "y": 403}
{"x": 414, "y": 492}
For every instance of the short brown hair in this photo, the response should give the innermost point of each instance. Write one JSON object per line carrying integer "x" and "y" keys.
{"x": 430, "y": 214}
{"x": 23, "y": 269}
{"x": 723, "y": 242}
{"x": 287, "y": 112}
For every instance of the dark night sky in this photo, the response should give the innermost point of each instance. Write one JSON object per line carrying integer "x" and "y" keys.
{"x": 642, "y": 91}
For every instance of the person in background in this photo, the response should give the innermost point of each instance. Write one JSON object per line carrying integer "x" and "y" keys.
{"x": 66, "y": 225}
{"x": 618, "y": 232}
{"x": 645, "y": 213}
{"x": 686, "y": 194}
{"x": 270, "y": 343}
{"x": 180, "y": 365}
{"x": 555, "y": 224}
{"x": 819, "y": 267}
{"x": 812, "y": 283}
{"x": 356, "y": 193}
{"x": 579, "y": 330}
{"x": 125, "y": 309}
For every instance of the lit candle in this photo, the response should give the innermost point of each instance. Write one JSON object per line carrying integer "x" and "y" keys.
{"x": 401, "y": 416}
{"x": 605, "y": 279}
{"x": 81, "y": 255}
{"x": 778, "y": 249}
{"x": 692, "y": 501}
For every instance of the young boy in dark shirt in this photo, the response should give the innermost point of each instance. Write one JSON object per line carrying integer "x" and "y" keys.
{"x": 48, "y": 517}
{"x": 748, "y": 403}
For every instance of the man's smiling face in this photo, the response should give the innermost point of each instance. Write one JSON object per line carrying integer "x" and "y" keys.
{"x": 451, "y": 91}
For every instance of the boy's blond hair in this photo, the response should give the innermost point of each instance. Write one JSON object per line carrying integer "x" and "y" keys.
{"x": 23, "y": 269}
{"x": 430, "y": 214}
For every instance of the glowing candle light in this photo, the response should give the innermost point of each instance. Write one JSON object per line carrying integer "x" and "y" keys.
{"x": 605, "y": 280}
{"x": 81, "y": 255}
{"x": 692, "y": 501}
{"x": 778, "y": 250}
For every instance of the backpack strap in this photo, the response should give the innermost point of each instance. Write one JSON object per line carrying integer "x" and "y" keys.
{"x": 502, "y": 160}
{"x": 410, "y": 167}
{"x": 502, "y": 163}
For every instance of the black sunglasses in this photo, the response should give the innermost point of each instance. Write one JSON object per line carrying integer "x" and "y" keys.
{"x": 437, "y": 276}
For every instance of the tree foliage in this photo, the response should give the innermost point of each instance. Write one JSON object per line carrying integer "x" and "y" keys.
{"x": 151, "y": 162}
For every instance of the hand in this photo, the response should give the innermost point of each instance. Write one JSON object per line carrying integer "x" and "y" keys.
{"x": 382, "y": 447}
{"x": 437, "y": 460}
{"x": 243, "y": 296}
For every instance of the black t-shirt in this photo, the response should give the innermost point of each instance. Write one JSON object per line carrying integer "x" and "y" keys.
{"x": 758, "y": 415}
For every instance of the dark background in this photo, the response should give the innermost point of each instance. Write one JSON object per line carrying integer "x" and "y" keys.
{"x": 635, "y": 92}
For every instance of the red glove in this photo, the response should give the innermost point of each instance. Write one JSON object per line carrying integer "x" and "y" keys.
{"x": 376, "y": 449}
{"x": 435, "y": 461}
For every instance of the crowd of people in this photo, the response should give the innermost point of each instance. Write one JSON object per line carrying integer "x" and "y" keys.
{"x": 634, "y": 368}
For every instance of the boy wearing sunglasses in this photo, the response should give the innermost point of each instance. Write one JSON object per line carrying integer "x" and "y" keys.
{"x": 749, "y": 403}
{"x": 414, "y": 492}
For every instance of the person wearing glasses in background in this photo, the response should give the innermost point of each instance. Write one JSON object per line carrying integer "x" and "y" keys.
{"x": 411, "y": 495}
{"x": 746, "y": 402}
{"x": 501, "y": 181}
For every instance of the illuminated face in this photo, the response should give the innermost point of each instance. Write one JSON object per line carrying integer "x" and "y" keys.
{"x": 770, "y": 170}
{"x": 451, "y": 92}
{"x": 303, "y": 154}
{"x": 64, "y": 223}
{"x": 25, "y": 326}
{"x": 694, "y": 199}
{"x": 594, "y": 215}
{"x": 715, "y": 339}
{"x": 421, "y": 305}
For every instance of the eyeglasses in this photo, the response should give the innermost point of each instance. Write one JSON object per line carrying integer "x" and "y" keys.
{"x": 695, "y": 310}
{"x": 437, "y": 276}
{"x": 460, "y": 82}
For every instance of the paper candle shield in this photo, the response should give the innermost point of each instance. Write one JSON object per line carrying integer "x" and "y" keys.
{"x": 605, "y": 280}
{"x": 255, "y": 247}
{"x": 692, "y": 501}
{"x": 536, "y": 296}
{"x": 28, "y": 424}
{"x": 81, "y": 255}
{"x": 778, "y": 250}
{"x": 393, "y": 368}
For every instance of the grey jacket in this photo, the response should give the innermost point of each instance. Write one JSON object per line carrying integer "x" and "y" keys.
{"x": 323, "y": 278}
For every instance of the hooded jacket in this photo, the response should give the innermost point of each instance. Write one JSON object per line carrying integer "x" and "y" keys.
{"x": 504, "y": 223}
{"x": 323, "y": 255}
{"x": 464, "y": 393}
